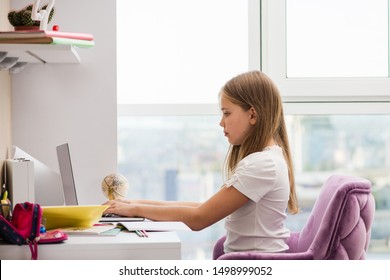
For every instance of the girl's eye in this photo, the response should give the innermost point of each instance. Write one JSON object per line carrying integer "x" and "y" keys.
{"x": 226, "y": 114}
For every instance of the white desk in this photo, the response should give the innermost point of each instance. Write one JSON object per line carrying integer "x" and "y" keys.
{"x": 126, "y": 245}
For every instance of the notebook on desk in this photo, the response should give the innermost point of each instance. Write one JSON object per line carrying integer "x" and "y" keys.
{"x": 69, "y": 186}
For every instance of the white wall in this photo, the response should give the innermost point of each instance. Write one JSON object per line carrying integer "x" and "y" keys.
{"x": 74, "y": 103}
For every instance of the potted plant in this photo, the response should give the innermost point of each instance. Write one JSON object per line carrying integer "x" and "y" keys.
{"x": 21, "y": 19}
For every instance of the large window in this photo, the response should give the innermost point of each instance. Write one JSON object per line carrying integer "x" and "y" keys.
{"x": 174, "y": 56}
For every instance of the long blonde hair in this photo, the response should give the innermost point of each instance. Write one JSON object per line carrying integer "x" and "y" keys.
{"x": 256, "y": 90}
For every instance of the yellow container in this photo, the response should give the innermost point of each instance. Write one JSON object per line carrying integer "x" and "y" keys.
{"x": 72, "y": 216}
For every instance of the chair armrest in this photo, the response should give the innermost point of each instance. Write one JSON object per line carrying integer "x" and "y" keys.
{"x": 218, "y": 248}
{"x": 292, "y": 242}
{"x": 253, "y": 255}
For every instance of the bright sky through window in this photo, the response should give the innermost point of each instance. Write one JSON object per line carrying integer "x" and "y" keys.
{"x": 175, "y": 51}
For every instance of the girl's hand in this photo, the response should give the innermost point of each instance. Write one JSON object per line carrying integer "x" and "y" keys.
{"x": 119, "y": 207}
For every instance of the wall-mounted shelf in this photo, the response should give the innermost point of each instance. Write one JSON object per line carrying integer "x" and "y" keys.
{"x": 41, "y": 53}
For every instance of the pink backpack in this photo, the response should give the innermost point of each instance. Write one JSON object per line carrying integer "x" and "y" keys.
{"x": 25, "y": 227}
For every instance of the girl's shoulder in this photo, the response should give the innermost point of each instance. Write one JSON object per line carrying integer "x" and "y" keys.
{"x": 266, "y": 158}
{"x": 268, "y": 152}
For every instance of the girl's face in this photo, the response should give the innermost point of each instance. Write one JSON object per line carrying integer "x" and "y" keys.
{"x": 236, "y": 122}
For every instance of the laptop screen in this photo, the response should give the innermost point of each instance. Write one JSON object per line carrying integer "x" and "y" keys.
{"x": 66, "y": 172}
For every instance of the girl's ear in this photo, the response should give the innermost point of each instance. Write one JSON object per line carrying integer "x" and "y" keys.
{"x": 253, "y": 115}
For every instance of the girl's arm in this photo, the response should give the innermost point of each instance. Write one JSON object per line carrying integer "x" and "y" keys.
{"x": 158, "y": 202}
{"x": 195, "y": 216}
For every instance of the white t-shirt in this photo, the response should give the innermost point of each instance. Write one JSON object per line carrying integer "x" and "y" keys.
{"x": 259, "y": 224}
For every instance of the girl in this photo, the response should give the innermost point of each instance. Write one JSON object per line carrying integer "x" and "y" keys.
{"x": 259, "y": 171}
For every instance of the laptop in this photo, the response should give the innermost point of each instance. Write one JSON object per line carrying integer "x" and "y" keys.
{"x": 69, "y": 186}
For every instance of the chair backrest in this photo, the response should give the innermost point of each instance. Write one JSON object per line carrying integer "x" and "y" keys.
{"x": 339, "y": 226}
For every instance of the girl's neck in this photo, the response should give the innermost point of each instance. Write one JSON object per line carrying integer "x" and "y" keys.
{"x": 271, "y": 143}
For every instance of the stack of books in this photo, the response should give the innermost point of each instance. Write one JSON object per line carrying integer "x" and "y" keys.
{"x": 47, "y": 37}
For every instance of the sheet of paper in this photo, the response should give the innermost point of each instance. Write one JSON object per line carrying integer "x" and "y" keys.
{"x": 155, "y": 226}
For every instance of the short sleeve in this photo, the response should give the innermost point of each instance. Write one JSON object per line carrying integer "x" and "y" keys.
{"x": 254, "y": 176}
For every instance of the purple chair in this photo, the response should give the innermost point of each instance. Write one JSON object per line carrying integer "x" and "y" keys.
{"x": 338, "y": 228}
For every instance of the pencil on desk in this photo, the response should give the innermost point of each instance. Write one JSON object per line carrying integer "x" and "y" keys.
{"x": 141, "y": 233}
